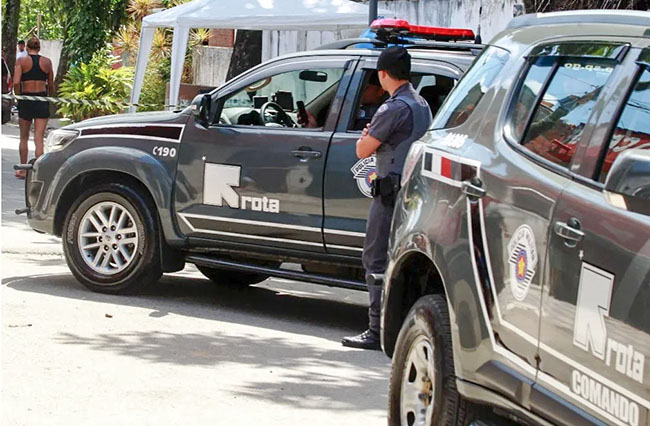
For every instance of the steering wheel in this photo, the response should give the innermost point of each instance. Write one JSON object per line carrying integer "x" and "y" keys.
{"x": 283, "y": 116}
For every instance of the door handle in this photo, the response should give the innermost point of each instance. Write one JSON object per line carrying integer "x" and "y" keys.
{"x": 305, "y": 153}
{"x": 473, "y": 188}
{"x": 570, "y": 231}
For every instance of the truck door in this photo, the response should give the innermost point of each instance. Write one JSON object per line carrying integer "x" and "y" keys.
{"x": 347, "y": 181}
{"x": 253, "y": 176}
{"x": 595, "y": 333}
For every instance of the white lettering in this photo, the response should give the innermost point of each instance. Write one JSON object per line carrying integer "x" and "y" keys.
{"x": 590, "y": 330}
{"x": 257, "y": 204}
{"x": 244, "y": 200}
{"x": 592, "y": 307}
{"x": 608, "y": 400}
{"x": 274, "y": 206}
{"x": 637, "y": 367}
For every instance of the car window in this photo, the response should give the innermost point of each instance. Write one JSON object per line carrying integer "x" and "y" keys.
{"x": 560, "y": 115}
{"x": 433, "y": 88}
{"x": 633, "y": 128}
{"x": 315, "y": 88}
{"x": 471, "y": 88}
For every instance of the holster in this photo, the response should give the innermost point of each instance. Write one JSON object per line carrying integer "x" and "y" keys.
{"x": 386, "y": 188}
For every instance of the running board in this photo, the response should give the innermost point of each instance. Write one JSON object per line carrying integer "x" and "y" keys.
{"x": 276, "y": 272}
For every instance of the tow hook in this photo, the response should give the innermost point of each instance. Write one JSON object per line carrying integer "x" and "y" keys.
{"x": 24, "y": 210}
{"x": 23, "y": 166}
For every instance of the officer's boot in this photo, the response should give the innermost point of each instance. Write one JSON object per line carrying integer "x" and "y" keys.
{"x": 369, "y": 339}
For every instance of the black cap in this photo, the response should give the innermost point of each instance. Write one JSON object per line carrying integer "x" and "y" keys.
{"x": 396, "y": 60}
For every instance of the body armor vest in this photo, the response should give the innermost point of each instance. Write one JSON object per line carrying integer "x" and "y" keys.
{"x": 391, "y": 159}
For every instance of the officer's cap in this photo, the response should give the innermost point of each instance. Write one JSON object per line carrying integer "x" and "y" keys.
{"x": 396, "y": 60}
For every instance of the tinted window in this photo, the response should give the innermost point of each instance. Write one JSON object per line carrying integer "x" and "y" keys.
{"x": 471, "y": 88}
{"x": 560, "y": 116}
{"x": 633, "y": 128}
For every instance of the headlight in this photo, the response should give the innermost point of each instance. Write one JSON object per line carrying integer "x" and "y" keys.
{"x": 58, "y": 139}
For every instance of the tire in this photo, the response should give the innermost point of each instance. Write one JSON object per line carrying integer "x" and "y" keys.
{"x": 132, "y": 260}
{"x": 232, "y": 278}
{"x": 425, "y": 330}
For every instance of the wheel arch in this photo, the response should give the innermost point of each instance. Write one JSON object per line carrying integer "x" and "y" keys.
{"x": 413, "y": 275}
{"x": 132, "y": 168}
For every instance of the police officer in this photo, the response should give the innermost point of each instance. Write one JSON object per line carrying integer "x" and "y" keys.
{"x": 401, "y": 120}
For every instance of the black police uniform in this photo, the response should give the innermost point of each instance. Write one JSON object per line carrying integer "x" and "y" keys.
{"x": 400, "y": 121}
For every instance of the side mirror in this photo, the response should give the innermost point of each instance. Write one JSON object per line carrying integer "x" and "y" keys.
{"x": 628, "y": 182}
{"x": 201, "y": 109}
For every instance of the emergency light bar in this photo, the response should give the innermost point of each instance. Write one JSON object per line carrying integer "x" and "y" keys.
{"x": 390, "y": 29}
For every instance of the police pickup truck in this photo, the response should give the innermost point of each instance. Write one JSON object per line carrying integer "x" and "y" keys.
{"x": 232, "y": 183}
{"x": 519, "y": 263}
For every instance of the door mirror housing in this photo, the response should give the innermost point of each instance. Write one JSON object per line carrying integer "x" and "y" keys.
{"x": 628, "y": 181}
{"x": 201, "y": 109}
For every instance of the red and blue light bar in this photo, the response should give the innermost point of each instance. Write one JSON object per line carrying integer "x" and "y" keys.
{"x": 402, "y": 28}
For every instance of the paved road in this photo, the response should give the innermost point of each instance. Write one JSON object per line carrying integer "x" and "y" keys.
{"x": 186, "y": 351}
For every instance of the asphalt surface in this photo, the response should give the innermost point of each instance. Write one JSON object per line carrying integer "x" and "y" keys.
{"x": 186, "y": 351}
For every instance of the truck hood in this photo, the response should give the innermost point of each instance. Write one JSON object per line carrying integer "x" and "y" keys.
{"x": 135, "y": 118}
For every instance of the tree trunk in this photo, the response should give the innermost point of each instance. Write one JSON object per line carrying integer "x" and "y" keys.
{"x": 246, "y": 53}
{"x": 64, "y": 59}
{"x": 10, "y": 32}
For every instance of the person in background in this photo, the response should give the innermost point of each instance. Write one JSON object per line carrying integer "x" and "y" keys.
{"x": 21, "y": 52}
{"x": 33, "y": 76}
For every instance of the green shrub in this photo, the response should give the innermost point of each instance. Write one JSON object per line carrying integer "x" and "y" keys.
{"x": 96, "y": 80}
{"x": 152, "y": 96}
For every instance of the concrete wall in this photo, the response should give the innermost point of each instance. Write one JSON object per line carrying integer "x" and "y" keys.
{"x": 210, "y": 65}
{"x": 52, "y": 49}
{"x": 277, "y": 43}
{"x": 488, "y": 16}
{"x": 492, "y": 15}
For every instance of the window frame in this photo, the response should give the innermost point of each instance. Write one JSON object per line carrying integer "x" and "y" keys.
{"x": 418, "y": 65}
{"x": 555, "y": 50}
{"x": 643, "y": 65}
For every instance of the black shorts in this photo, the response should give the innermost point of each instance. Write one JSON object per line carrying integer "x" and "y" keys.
{"x": 29, "y": 110}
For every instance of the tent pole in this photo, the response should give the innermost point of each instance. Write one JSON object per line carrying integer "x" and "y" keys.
{"x": 373, "y": 11}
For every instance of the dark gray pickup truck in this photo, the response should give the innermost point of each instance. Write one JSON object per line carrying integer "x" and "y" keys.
{"x": 519, "y": 267}
{"x": 232, "y": 183}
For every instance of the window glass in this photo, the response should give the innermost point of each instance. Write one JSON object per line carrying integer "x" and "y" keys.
{"x": 433, "y": 88}
{"x": 633, "y": 128}
{"x": 316, "y": 88}
{"x": 530, "y": 90}
{"x": 471, "y": 88}
{"x": 560, "y": 117}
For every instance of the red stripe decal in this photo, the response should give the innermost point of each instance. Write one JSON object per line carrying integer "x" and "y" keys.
{"x": 445, "y": 167}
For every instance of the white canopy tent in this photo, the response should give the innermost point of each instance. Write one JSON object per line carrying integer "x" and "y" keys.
{"x": 293, "y": 15}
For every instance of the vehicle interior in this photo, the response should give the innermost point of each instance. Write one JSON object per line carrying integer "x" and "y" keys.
{"x": 292, "y": 99}
{"x": 301, "y": 99}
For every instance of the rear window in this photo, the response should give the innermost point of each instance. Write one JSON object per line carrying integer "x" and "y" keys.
{"x": 555, "y": 103}
{"x": 475, "y": 83}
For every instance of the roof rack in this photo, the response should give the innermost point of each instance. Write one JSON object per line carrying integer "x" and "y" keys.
{"x": 408, "y": 44}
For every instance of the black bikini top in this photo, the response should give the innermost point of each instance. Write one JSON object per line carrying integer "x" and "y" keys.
{"x": 35, "y": 73}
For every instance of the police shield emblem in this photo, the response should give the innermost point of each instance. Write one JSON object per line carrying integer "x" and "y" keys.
{"x": 364, "y": 172}
{"x": 522, "y": 260}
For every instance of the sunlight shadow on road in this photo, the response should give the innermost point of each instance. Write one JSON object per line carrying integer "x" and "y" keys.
{"x": 302, "y": 377}
{"x": 200, "y": 298}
